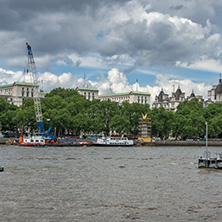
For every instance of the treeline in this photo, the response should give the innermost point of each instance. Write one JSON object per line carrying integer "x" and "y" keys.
{"x": 69, "y": 112}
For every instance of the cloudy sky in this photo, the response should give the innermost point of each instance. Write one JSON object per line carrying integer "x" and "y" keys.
{"x": 110, "y": 44}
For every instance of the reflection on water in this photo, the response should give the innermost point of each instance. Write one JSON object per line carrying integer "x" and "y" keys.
{"x": 108, "y": 184}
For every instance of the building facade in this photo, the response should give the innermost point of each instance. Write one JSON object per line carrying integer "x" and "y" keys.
{"x": 215, "y": 94}
{"x": 130, "y": 97}
{"x": 171, "y": 103}
{"x": 18, "y": 91}
{"x": 88, "y": 93}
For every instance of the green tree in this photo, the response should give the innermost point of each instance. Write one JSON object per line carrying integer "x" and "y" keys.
{"x": 120, "y": 124}
{"x": 162, "y": 122}
{"x": 189, "y": 119}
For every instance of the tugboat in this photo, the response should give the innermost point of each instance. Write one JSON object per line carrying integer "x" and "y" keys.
{"x": 34, "y": 141}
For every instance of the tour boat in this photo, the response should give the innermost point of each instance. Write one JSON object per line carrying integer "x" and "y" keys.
{"x": 36, "y": 141}
{"x": 113, "y": 141}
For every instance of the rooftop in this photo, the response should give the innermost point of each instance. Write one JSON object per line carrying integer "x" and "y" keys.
{"x": 19, "y": 83}
{"x": 87, "y": 89}
{"x": 125, "y": 94}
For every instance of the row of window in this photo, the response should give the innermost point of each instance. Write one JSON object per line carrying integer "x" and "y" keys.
{"x": 27, "y": 93}
{"x": 89, "y": 95}
{"x": 140, "y": 98}
{"x": 6, "y": 91}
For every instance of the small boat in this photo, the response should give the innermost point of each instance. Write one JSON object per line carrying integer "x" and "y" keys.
{"x": 113, "y": 141}
{"x": 34, "y": 141}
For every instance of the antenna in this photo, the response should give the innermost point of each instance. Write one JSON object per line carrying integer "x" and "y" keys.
{"x": 137, "y": 85}
{"x": 84, "y": 80}
{"x": 24, "y": 75}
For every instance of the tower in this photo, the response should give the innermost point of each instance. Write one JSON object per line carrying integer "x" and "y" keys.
{"x": 144, "y": 128}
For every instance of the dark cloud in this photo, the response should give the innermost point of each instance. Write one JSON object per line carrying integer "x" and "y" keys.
{"x": 111, "y": 28}
{"x": 177, "y": 7}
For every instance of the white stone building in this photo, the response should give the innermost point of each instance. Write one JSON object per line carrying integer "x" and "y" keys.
{"x": 131, "y": 97}
{"x": 215, "y": 94}
{"x": 18, "y": 91}
{"x": 171, "y": 103}
{"x": 89, "y": 93}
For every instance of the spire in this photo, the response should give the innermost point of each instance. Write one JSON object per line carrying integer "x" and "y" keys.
{"x": 137, "y": 85}
{"x": 220, "y": 79}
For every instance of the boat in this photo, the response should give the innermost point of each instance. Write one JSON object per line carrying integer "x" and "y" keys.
{"x": 34, "y": 141}
{"x": 113, "y": 141}
{"x": 67, "y": 142}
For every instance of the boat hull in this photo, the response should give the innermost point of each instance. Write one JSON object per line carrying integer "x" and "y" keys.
{"x": 97, "y": 144}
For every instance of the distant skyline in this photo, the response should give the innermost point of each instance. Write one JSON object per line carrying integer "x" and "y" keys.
{"x": 113, "y": 43}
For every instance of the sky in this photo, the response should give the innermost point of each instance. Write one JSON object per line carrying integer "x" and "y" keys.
{"x": 115, "y": 46}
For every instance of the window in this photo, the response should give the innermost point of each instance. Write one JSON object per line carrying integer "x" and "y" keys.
{"x": 23, "y": 92}
{"x": 32, "y": 93}
{"x": 138, "y": 99}
{"x": 88, "y": 95}
{"x": 93, "y": 96}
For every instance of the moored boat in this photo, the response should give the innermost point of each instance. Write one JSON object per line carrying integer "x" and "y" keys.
{"x": 113, "y": 141}
{"x": 35, "y": 141}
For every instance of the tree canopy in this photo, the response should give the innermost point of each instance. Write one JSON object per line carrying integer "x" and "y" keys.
{"x": 69, "y": 112}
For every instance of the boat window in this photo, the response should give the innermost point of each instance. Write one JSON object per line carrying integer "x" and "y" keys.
{"x": 37, "y": 140}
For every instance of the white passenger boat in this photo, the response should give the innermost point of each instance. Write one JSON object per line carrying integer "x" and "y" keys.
{"x": 114, "y": 141}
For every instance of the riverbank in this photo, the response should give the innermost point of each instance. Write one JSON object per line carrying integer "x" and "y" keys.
{"x": 179, "y": 143}
{"x": 187, "y": 143}
{"x": 7, "y": 141}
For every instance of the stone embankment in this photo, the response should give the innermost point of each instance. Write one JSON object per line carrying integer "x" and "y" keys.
{"x": 187, "y": 143}
{"x": 138, "y": 143}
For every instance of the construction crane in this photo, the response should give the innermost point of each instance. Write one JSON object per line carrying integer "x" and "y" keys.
{"x": 31, "y": 70}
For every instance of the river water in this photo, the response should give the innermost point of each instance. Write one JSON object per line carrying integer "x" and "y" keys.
{"x": 108, "y": 184}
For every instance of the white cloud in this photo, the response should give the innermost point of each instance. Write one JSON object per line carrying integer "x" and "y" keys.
{"x": 115, "y": 82}
{"x": 203, "y": 63}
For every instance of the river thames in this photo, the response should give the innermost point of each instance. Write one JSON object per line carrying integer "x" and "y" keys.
{"x": 108, "y": 184}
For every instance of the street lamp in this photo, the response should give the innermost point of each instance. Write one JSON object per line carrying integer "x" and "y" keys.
{"x": 206, "y": 140}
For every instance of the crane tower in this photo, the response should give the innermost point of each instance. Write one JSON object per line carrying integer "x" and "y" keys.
{"x": 31, "y": 70}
